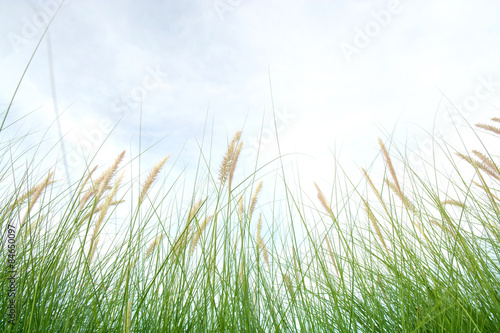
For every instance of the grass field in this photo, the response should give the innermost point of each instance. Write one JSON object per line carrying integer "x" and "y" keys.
{"x": 412, "y": 252}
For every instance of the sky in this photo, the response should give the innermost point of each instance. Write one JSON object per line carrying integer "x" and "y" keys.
{"x": 332, "y": 76}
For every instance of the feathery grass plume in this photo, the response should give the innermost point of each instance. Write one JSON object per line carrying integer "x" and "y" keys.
{"x": 260, "y": 242}
{"x": 193, "y": 211}
{"x": 489, "y": 165}
{"x": 198, "y": 233}
{"x": 374, "y": 222}
{"x": 486, "y": 160}
{"x": 93, "y": 247}
{"x": 445, "y": 228}
{"x": 98, "y": 209}
{"x": 330, "y": 252}
{"x": 487, "y": 190}
{"x": 490, "y": 128}
{"x": 236, "y": 242}
{"x": 109, "y": 200}
{"x": 34, "y": 190}
{"x": 388, "y": 161}
{"x": 151, "y": 178}
{"x": 436, "y": 223}
{"x": 95, "y": 235}
{"x": 110, "y": 170}
{"x": 287, "y": 283}
{"x": 395, "y": 186}
{"x": 242, "y": 269}
{"x": 228, "y": 158}
{"x": 480, "y": 165}
{"x": 484, "y": 189}
{"x": 180, "y": 242}
{"x": 322, "y": 199}
{"x": 102, "y": 182}
{"x": 496, "y": 119}
{"x": 241, "y": 209}
{"x": 408, "y": 204}
{"x": 86, "y": 180}
{"x": 128, "y": 317}
{"x": 153, "y": 244}
{"x": 38, "y": 191}
{"x": 85, "y": 198}
{"x": 90, "y": 192}
{"x": 466, "y": 158}
{"x": 259, "y": 228}
{"x": 375, "y": 189}
{"x": 454, "y": 203}
{"x": 87, "y": 195}
{"x": 254, "y": 200}
{"x": 19, "y": 200}
{"x": 233, "y": 164}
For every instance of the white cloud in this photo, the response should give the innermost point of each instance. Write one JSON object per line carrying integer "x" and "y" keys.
{"x": 102, "y": 52}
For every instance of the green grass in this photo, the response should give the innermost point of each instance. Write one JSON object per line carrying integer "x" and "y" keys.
{"x": 412, "y": 252}
{"x": 403, "y": 251}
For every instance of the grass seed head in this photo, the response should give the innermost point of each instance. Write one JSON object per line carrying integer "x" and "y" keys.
{"x": 406, "y": 202}
{"x": 488, "y": 165}
{"x": 330, "y": 252}
{"x": 109, "y": 200}
{"x": 84, "y": 183}
{"x": 490, "y": 128}
{"x": 228, "y": 158}
{"x": 154, "y": 244}
{"x": 260, "y": 242}
{"x": 492, "y": 171}
{"x": 233, "y": 164}
{"x": 151, "y": 178}
{"x": 103, "y": 181}
{"x": 322, "y": 200}
{"x": 37, "y": 192}
{"x": 454, "y": 203}
{"x": 241, "y": 209}
{"x": 254, "y": 200}
{"x": 374, "y": 222}
{"x": 198, "y": 233}
{"x": 388, "y": 161}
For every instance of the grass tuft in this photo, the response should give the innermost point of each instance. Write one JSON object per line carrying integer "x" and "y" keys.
{"x": 397, "y": 257}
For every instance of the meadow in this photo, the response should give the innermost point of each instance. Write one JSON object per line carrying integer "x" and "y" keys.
{"x": 410, "y": 252}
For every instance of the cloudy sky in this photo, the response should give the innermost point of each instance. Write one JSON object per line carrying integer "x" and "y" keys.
{"x": 342, "y": 74}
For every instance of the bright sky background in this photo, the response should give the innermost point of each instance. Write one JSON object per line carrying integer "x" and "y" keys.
{"x": 335, "y": 89}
